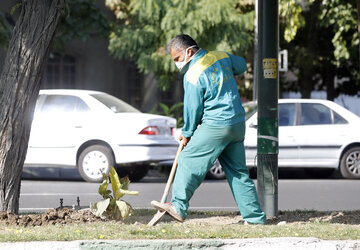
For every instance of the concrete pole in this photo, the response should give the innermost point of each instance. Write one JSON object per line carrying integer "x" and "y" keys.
{"x": 254, "y": 97}
{"x": 268, "y": 93}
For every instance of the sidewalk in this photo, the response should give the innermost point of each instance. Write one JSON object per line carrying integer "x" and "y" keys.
{"x": 247, "y": 244}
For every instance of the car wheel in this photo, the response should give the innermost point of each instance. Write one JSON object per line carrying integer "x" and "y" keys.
{"x": 93, "y": 161}
{"x": 135, "y": 173}
{"x": 216, "y": 171}
{"x": 350, "y": 164}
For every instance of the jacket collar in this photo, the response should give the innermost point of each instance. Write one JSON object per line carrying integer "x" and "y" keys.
{"x": 200, "y": 53}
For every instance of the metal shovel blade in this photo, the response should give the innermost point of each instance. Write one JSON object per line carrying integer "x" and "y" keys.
{"x": 156, "y": 218}
{"x": 160, "y": 214}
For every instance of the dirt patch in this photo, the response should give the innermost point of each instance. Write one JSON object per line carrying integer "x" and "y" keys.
{"x": 341, "y": 217}
{"x": 50, "y": 217}
{"x": 288, "y": 217}
{"x": 68, "y": 215}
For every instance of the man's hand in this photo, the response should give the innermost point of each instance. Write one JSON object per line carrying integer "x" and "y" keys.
{"x": 184, "y": 139}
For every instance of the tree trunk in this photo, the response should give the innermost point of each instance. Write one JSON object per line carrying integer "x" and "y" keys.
{"x": 19, "y": 88}
{"x": 358, "y": 9}
{"x": 306, "y": 84}
{"x": 307, "y": 68}
{"x": 329, "y": 82}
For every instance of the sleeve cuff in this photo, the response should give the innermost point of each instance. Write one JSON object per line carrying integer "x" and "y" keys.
{"x": 187, "y": 133}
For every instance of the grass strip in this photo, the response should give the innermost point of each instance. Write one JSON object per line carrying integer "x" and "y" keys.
{"x": 136, "y": 228}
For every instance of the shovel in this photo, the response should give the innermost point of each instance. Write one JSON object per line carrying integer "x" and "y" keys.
{"x": 159, "y": 214}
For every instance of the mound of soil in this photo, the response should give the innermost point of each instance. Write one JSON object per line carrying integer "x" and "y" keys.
{"x": 50, "y": 217}
{"x": 287, "y": 217}
{"x": 340, "y": 217}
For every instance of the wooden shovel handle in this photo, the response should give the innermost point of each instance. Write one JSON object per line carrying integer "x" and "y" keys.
{"x": 172, "y": 173}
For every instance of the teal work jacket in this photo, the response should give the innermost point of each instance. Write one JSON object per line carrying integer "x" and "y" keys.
{"x": 210, "y": 90}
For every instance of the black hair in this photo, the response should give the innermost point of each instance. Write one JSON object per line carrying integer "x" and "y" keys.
{"x": 182, "y": 41}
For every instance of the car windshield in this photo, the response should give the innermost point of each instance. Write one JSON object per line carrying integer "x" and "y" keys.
{"x": 116, "y": 105}
{"x": 250, "y": 109}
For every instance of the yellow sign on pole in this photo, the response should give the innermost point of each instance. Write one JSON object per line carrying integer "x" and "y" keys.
{"x": 270, "y": 66}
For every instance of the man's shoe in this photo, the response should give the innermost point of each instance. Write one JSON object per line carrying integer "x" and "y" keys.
{"x": 246, "y": 223}
{"x": 169, "y": 208}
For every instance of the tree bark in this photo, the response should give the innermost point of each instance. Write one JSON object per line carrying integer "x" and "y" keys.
{"x": 328, "y": 78}
{"x": 358, "y": 14}
{"x": 306, "y": 82}
{"x": 19, "y": 87}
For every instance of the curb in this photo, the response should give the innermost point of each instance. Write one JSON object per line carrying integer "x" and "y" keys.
{"x": 247, "y": 244}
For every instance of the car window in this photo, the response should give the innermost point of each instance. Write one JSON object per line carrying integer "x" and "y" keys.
{"x": 38, "y": 101}
{"x": 81, "y": 106}
{"x": 115, "y": 104}
{"x": 63, "y": 104}
{"x": 315, "y": 114}
{"x": 286, "y": 114}
{"x": 250, "y": 109}
{"x": 338, "y": 119}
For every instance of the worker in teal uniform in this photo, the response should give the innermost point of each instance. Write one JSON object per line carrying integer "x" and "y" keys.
{"x": 214, "y": 128}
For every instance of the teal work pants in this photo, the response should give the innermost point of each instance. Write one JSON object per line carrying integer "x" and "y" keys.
{"x": 206, "y": 145}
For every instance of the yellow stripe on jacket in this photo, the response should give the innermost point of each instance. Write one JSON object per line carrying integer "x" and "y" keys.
{"x": 202, "y": 64}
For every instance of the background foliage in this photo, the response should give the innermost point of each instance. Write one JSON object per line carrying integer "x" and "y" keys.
{"x": 81, "y": 19}
{"x": 5, "y": 31}
{"x": 327, "y": 46}
{"x": 321, "y": 36}
{"x": 144, "y": 28}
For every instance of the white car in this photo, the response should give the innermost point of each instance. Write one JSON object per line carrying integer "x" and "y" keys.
{"x": 92, "y": 130}
{"x": 313, "y": 134}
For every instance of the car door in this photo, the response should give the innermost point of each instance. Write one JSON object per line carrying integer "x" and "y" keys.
{"x": 288, "y": 138}
{"x": 55, "y": 130}
{"x": 322, "y": 131}
{"x": 250, "y": 141}
{"x": 288, "y": 144}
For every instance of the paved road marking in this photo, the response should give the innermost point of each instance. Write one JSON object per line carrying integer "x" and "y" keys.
{"x": 39, "y": 194}
{"x": 36, "y": 209}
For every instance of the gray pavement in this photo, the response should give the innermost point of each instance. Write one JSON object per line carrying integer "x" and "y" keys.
{"x": 247, "y": 244}
{"x": 326, "y": 194}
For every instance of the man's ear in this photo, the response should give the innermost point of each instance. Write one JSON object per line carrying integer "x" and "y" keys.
{"x": 190, "y": 54}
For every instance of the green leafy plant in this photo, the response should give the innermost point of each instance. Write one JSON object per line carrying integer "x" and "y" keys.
{"x": 5, "y": 31}
{"x": 111, "y": 206}
{"x": 175, "y": 111}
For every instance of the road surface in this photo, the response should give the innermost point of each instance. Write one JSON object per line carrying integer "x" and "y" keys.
{"x": 317, "y": 194}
